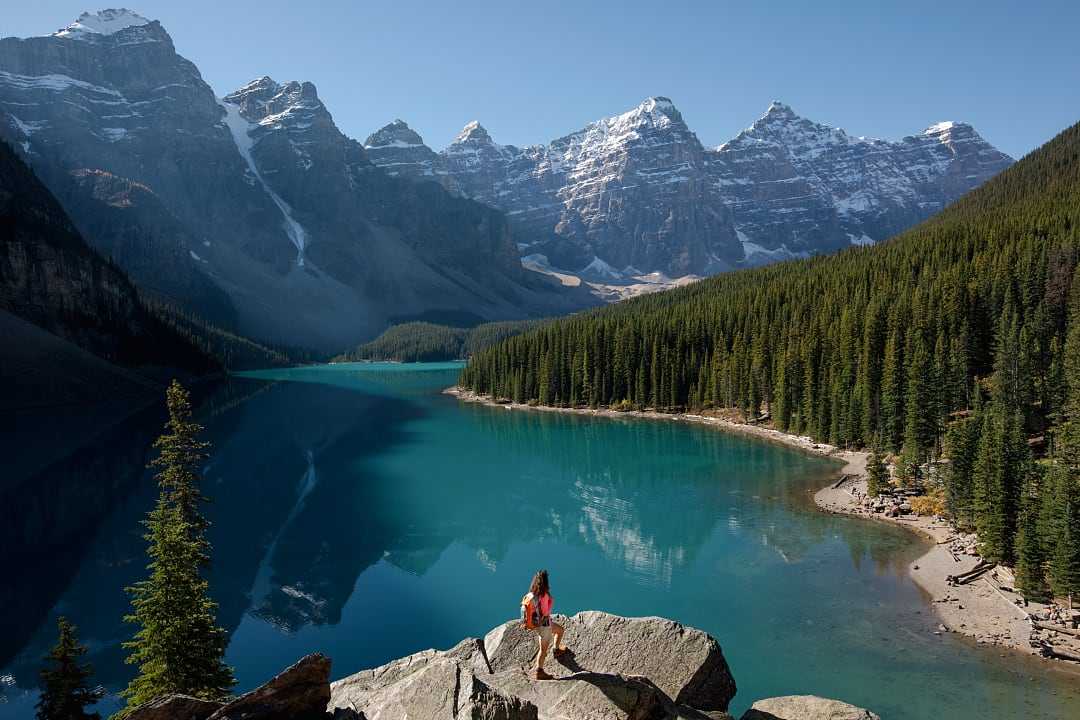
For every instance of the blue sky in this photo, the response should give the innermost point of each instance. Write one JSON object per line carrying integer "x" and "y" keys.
{"x": 532, "y": 71}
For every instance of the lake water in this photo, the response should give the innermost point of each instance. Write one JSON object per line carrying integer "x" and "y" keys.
{"x": 359, "y": 512}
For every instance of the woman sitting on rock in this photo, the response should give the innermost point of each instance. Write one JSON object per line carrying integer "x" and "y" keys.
{"x": 536, "y": 613}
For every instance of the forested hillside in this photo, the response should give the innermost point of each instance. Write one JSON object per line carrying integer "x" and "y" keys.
{"x": 51, "y": 277}
{"x": 960, "y": 337}
{"x": 428, "y": 342}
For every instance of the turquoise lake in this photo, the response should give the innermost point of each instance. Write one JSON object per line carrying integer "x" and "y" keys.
{"x": 359, "y": 512}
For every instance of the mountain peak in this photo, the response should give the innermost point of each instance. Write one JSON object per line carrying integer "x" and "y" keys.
{"x": 473, "y": 132}
{"x": 779, "y": 111}
{"x": 658, "y": 103}
{"x": 945, "y": 130}
{"x": 92, "y": 25}
{"x": 266, "y": 89}
{"x": 260, "y": 84}
{"x": 655, "y": 111}
{"x": 395, "y": 134}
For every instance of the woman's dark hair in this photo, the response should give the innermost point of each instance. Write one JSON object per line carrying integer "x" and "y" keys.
{"x": 539, "y": 584}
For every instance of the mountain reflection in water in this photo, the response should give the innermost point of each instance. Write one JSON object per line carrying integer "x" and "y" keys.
{"x": 357, "y": 511}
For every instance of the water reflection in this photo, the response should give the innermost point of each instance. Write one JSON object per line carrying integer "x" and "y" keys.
{"x": 357, "y": 511}
{"x": 305, "y": 500}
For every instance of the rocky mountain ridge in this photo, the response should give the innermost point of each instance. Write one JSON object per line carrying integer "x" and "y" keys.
{"x": 638, "y": 193}
{"x": 253, "y": 210}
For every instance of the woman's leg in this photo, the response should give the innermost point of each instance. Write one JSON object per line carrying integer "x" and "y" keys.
{"x": 557, "y": 631}
{"x": 541, "y": 655}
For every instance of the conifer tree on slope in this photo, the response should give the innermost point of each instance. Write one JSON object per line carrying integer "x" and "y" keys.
{"x": 921, "y": 421}
{"x": 961, "y": 446}
{"x": 877, "y": 475}
{"x": 1065, "y": 534}
{"x": 65, "y": 689}
{"x": 1065, "y": 554}
{"x": 1031, "y": 553}
{"x": 178, "y": 646}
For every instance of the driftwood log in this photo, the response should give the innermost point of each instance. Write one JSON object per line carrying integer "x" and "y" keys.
{"x": 843, "y": 479}
{"x": 974, "y": 574}
{"x": 1056, "y": 628}
{"x": 1051, "y": 651}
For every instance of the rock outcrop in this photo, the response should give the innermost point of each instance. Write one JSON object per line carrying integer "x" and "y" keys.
{"x": 619, "y": 668}
{"x": 805, "y": 707}
{"x": 299, "y": 693}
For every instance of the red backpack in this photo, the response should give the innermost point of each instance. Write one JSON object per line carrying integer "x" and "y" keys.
{"x": 530, "y": 612}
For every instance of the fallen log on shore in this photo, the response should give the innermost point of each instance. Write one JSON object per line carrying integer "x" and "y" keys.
{"x": 843, "y": 479}
{"x": 974, "y": 574}
{"x": 1056, "y": 628}
{"x": 1054, "y": 652}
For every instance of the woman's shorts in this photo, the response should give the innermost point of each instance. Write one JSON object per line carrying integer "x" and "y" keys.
{"x": 543, "y": 632}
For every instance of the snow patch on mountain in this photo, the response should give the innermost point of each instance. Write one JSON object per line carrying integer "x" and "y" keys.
{"x": 241, "y": 133}
{"x": 103, "y": 22}
{"x": 939, "y": 128}
{"x": 52, "y": 82}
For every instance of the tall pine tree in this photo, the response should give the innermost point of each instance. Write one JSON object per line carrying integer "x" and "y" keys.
{"x": 178, "y": 646}
{"x": 1030, "y": 548}
{"x": 1065, "y": 553}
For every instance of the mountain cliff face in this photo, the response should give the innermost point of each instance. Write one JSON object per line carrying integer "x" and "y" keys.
{"x": 254, "y": 209}
{"x": 637, "y": 193}
{"x": 74, "y": 326}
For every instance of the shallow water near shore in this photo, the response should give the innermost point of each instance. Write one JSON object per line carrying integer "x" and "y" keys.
{"x": 359, "y": 512}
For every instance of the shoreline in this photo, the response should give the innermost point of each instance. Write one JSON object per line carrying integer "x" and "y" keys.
{"x": 986, "y": 610}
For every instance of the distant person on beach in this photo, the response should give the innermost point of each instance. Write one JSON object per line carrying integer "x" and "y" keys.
{"x": 536, "y": 616}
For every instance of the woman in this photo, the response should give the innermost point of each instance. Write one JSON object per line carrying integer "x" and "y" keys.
{"x": 537, "y": 604}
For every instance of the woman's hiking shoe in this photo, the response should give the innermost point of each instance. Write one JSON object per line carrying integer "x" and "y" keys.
{"x": 541, "y": 675}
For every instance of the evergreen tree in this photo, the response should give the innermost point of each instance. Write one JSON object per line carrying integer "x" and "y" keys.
{"x": 877, "y": 475}
{"x": 922, "y": 414}
{"x": 1065, "y": 554}
{"x": 178, "y": 646}
{"x": 65, "y": 688}
{"x": 1001, "y": 464}
{"x": 180, "y": 454}
{"x": 1030, "y": 551}
{"x": 961, "y": 447}
{"x": 892, "y": 392}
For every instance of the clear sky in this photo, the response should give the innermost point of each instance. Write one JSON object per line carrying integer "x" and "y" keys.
{"x": 532, "y": 71}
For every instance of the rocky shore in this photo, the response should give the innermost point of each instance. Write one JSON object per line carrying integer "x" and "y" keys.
{"x": 987, "y": 609}
{"x": 618, "y": 669}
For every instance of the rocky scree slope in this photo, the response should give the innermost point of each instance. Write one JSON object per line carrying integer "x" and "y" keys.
{"x": 253, "y": 210}
{"x": 638, "y": 193}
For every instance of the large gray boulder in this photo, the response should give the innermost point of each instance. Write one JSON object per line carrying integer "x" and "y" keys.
{"x": 301, "y": 692}
{"x": 684, "y": 663}
{"x": 175, "y": 707}
{"x": 805, "y": 707}
{"x": 619, "y": 669}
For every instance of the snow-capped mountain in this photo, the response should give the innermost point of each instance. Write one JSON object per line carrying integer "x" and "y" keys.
{"x": 637, "y": 193}
{"x": 252, "y": 209}
{"x": 797, "y": 187}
